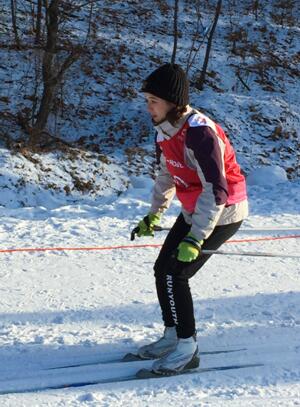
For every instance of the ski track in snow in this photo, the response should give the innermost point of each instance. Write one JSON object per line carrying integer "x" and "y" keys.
{"x": 69, "y": 307}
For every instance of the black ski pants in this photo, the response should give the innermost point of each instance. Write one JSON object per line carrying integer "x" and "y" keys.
{"x": 172, "y": 275}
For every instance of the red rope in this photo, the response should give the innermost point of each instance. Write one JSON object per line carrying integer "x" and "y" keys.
{"x": 264, "y": 238}
{"x": 46, "y": 249}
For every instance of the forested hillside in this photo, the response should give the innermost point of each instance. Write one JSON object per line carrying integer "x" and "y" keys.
{"x": 73, "y": 121}
{"x": 77, "y": 167}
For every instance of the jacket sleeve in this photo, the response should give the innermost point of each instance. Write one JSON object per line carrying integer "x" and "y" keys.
{"x": 205, "y": 152}
{"x": 164, "y": 188}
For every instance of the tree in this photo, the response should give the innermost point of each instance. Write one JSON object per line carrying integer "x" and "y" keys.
{"x": 198, "y": 37}
{"x": 52, "y": 72}
{"x": 13, "y": 6}
{"x": 201, "y": 80}
{"x": 173, "y": 59}
{"x": 39, "y": 16}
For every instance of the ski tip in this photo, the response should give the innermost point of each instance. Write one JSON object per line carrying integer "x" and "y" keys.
{"x": 131, "y": 357}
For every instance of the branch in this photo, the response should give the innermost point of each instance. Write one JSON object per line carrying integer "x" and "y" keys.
{"x": 242, "y": 81}
{"x": 68, "y": 62}
{"x": 201, "y": 80}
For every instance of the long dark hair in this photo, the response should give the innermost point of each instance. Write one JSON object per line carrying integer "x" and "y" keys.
{"x": 175, "y": 114}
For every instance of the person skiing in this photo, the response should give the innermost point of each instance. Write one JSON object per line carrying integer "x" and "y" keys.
{"x": 198, "y": 164}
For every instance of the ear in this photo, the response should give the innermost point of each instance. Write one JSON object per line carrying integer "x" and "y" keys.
{"x": 171, "y": 105}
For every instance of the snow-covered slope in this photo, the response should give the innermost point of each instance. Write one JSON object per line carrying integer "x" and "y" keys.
{"x": 69, "y": 307}
{"x": 62, "y": 308}
{"x": 252, "y": 89}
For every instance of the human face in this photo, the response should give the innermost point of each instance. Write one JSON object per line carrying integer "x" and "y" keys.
{"x": 157, "y": 107}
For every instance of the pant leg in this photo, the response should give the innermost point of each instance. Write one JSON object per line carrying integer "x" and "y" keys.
{"x": 177, "y": 294}
{"x": 219, "y": 235}
{"x": 174, "y": 237}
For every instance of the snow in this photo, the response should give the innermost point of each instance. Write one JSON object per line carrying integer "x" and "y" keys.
{"x": 53, "y": 179}
{"x": 102, "y": 103}
{"x": 66, "y": 307}
{"x": 61, "y": 307}
{"x": 270, "y": 175}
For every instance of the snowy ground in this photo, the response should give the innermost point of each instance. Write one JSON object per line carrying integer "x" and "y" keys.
{"x": 68, "y": 307}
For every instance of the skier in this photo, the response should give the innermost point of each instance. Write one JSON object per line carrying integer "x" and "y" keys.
{"x": 198, "y": 164}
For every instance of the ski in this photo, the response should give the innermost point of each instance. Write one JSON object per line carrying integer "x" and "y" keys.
{"x": 142, "y": 374}
{"x": 133, "y": 357}
{"x": 150, "y": 374}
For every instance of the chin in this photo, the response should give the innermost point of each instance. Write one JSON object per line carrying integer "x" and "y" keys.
{"x": 157, "y": 122}
{"x": 157, "y": 119}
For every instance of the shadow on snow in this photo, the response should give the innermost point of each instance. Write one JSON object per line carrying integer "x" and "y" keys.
{"x": 266, "y": 325}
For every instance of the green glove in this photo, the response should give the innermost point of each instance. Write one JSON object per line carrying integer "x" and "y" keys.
{"x": 189, "y": 249}
{"x": 146, "y": 226}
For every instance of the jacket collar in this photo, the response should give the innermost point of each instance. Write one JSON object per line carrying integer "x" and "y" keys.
{"x": 166, "y": 130}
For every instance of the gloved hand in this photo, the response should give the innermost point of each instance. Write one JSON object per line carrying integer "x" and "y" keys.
{"x": 189, "y": 248}
{"x": 146, "y": 226}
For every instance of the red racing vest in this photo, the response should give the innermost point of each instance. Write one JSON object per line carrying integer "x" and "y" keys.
{"x": 186, "y": 179}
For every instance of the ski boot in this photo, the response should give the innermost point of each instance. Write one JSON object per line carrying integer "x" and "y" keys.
{"x": 183, "y": 358}
{"x": 161, "y": 347}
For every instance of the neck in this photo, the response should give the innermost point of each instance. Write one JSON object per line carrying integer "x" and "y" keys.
{"x": 167, "y": 129}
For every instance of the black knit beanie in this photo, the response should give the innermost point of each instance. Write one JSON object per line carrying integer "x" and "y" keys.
{"x": 168, "y": 82}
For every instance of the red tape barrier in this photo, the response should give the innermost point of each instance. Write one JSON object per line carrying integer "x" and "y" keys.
{"x": 47, "y": 249}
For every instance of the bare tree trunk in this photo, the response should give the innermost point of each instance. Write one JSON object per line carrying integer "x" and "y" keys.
{"x": 38, "y": 22}
{"x": 175, "y": 32}
{"x": 201, "y": 80}
{"x": 48, "y": 69}
{"x": 13, "y": 5}
{"x": 37, "y": 80}
{"x": 256, "y": 7}
{"x": 90, "y": 24}
{"x": 197, "y": 37}
{"x": 52, "y": 75}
